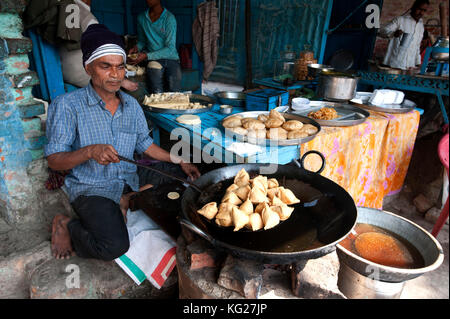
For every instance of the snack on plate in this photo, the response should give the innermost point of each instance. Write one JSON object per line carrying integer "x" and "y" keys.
{"x": 325, "y": 113}
{"x": 272, "y": 126}
{"x": 177, "y": 101}
{"x": 252, "y": 203}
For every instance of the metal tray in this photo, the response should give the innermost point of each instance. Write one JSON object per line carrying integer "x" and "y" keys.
{"x": 202, "y": 99}
{"x": 405, "y": 107}
{"x": 268, "y": 142}
{"x": 348, "y": 115}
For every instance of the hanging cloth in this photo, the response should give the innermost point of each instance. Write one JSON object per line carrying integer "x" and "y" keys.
{"x": 205, "y": 32}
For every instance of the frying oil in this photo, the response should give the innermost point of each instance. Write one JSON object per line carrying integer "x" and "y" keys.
{"x": 382, "y": 247}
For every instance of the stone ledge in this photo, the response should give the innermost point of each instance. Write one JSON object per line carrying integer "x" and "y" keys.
{"x": 58, "y": 279}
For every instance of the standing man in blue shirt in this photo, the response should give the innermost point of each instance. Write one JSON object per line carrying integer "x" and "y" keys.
{"x": 87, "y": 129}
{"x": 157, "y": 35}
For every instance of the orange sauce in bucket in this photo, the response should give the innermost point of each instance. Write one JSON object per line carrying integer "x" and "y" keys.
{"x": 382, "y": 247}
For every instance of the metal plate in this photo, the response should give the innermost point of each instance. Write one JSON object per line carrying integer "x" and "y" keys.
{"x": 202, "y": 99}
{"x": 405, "y": 107}
{"x": 231, "y": 98}
{"x": 348, "y": 115}
{"x": 268, "y": 142}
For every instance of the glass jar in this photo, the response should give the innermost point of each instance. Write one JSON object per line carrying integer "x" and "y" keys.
{"x": 284, "y": 70}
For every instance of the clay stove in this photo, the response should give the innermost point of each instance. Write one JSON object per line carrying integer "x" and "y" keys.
{"x": 205, "y": 272}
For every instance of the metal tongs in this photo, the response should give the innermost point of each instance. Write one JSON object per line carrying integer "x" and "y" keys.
{"x": 161, "y": 172}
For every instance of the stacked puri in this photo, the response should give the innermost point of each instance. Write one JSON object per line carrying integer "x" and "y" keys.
{"x": 252, "y": 203}
{"x": 273, "y": 126}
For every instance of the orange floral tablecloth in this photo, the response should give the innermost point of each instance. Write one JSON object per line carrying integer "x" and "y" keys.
{"x": 369, "y": 160}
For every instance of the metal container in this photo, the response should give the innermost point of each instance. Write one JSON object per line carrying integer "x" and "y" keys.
{"x": 226, "y": 109}
{"x": 360, "y": 278}
{"x": 231, "y": 98}
{"x": 439, "y": 53}
{"x": 337, "y": 87}
{"x": 315, "y": 69}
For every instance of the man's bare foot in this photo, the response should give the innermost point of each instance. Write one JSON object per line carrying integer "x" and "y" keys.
{"x": 130, "y": 85}
{"x": 125, "y": 200}
{"x": 61, "y": 244}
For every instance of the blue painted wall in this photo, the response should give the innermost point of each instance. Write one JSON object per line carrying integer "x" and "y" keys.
{"x": 352, "y": 35}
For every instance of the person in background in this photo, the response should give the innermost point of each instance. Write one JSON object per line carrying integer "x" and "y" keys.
{"x": 72, "y": 67}
{"x": 405, "y": 33}
{"x": 157, "y": 33}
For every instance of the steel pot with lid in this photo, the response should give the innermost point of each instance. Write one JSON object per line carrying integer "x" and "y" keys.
{"x": 337, "y": 86}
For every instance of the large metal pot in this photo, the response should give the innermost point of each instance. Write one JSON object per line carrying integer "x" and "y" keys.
{"x": 337, "y": 87}
{"x": 309, "y": 232}
{"x": 360, "y": 278}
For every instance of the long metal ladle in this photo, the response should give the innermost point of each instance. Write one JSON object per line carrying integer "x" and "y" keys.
{"x": 161, "y": 172}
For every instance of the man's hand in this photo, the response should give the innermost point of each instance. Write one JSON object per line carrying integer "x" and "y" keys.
{"x": 398, "y": 33}
{"x": 191, "y": 170}
{"x": 103, "y": 154}
{"x": 141, "y": 57}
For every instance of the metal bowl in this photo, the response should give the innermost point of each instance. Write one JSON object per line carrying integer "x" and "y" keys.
{"x": 440, "y": 56}
{"x": 231, "y": 98}
{"x": 314, "y": 69}
{"x": 389, "y": 280}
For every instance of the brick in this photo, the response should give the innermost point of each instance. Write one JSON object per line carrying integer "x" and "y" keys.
{"x": 24, "y": 79}
{"x": 35, "y": 143}
{"x": 13, "y": 6}
{"x": 422, "y": 203}
{"x": 11, "y": 25}
{"x": 17, "y": 64}
{"x": 36, "y": 154}
{"x": 202, "y": 255}
{"x": 31, "y": 126}
{"x": 31, "y": 110}
{"x": 19, "y": 45}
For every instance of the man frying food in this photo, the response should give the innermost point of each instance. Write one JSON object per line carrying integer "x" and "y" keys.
{"x": 87, "y": 129}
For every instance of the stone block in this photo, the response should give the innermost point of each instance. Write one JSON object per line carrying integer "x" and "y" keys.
{"x": 242, "y": 276}
{"x": 16, "y": 270}
{"x": 317, "y": 279}
{"x": 79, "y": 278}
{"x": 433, "y": 214}
{"x": 422, "y": 203}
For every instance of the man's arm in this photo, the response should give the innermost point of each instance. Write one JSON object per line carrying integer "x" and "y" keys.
{"x": 102, "y": 154}
{"x": 392, "y": 29}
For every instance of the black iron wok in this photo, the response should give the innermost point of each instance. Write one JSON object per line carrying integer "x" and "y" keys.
{"x": 309, "y": 233}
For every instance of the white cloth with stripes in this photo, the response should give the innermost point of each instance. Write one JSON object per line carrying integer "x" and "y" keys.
{"x": 151, "y": 254}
